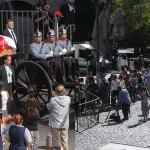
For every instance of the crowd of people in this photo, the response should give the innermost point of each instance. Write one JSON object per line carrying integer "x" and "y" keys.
{"x": 128, "y": 86}
{"x": 56, "y": 58}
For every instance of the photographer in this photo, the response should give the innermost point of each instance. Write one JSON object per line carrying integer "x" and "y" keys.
{"x": 59, "y": 118}
{"x": 124, "y": 100}
{"x": 92, "y": 90}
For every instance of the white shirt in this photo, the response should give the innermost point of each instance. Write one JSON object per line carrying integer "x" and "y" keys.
{"x": 70, "y": 7}
{"x": 114, "y": 85}
{"x": 4, "y": 100}
{"x": 9, "y": 74}
{"x": 124, "y": 62}
{"x": 132, "y": 65}
{"x": 12, "y": 35}
{"x": 59, "y": 111}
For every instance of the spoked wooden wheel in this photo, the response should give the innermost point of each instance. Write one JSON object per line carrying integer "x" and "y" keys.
{"x": 32, "y": 73}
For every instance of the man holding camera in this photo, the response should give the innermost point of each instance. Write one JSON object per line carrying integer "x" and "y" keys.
{"x": 125, "y": 100}
{"x": 59, "y": 118}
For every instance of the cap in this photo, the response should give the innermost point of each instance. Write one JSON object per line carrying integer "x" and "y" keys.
{"x": 51, "y": 34}
{"x": 38, "y": 33}
{"x": 59, "y": 14}
{"x": 63, "y": 31}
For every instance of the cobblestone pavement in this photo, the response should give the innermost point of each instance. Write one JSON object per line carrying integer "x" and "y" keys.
{"x": 131, "y": 132}
{"x": 43, "y": 132}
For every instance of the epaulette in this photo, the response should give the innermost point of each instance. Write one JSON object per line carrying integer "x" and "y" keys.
{"x": 32, "y": 44}
{"x": 57, "y": 41}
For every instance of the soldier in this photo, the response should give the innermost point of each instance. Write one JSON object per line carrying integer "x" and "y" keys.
{"x": 56, "y": 50}
{"x": 39, "y": 50}
{"x": 66, "y": 46}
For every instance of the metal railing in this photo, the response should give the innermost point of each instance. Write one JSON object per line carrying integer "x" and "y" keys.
{"x": 26, "y": 26}
{"x": 87, "y": 114}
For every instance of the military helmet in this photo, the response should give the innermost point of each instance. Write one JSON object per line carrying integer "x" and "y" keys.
{"x": 63, "y": 31}
{"x": 51, "y": 33}
{"x": 38, "y": 33}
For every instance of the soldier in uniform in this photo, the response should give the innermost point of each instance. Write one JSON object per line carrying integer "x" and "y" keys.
{"x": 66, "y": 46}
{"x": 39, "y": 50}
{"x": 56, "y": 50}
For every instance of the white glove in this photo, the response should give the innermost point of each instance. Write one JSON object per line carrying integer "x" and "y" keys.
{"x": 72, "y": 48}
{"x": 64, "y": 50}
{"x": 51, "y": 52}
{"x": 60, "y": 53}
{"x": 49, "y": 55}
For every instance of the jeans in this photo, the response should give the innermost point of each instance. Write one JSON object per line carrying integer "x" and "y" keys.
{"x": 125, "y": 110}
{"x": 5, "y": 113}
{"x": 35, "y": 138}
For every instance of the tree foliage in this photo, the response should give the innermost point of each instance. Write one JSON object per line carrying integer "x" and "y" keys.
{"x": 137, "y": 15}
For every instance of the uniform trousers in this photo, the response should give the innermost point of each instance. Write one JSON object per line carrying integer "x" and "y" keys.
{"x": 58, "y": 70}
{"x": 68, "y": 66}
{"x": 35, "y": 138}
{"x": 59, "y": 137}
{"x": 125, "y": 110}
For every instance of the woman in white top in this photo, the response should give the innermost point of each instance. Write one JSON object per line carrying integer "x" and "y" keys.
{"x": 3, "y": 98}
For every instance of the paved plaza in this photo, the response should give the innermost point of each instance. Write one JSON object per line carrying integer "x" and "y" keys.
{"x": 132, "y": 132}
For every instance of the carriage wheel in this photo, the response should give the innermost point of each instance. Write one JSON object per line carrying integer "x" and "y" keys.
{"x": 32, "y": 73}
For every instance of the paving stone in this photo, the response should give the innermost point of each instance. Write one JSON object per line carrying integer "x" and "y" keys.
{"x": 130, "y": 132}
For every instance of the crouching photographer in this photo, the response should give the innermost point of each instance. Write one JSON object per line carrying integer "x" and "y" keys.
{"x": 92, "y": 92}
{"x": 125, "y": 101}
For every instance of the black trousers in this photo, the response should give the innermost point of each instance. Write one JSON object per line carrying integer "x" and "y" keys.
{"x": 68, "y": 66}
{"x": 125, "y": 110}
{"x": 114, "y": 95}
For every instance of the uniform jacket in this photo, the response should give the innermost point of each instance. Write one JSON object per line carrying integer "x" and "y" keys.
{"x": 35, "y": 49}
{"x": 65, "y": 44}
{"x": 56, "y": 49}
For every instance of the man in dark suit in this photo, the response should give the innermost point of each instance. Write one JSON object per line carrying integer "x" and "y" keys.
{"x": 9, "y": 31}
{"x": 4, "y": 15}
{"x": 68, "y": 11}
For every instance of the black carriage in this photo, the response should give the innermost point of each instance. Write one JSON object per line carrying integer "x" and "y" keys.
{"x": 26, "y": 73}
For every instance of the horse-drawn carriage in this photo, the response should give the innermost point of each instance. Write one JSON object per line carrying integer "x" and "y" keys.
{"x": 27, "y": 72}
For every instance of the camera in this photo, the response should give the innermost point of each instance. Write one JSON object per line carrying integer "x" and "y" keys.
{"x": 81, "y": 80}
